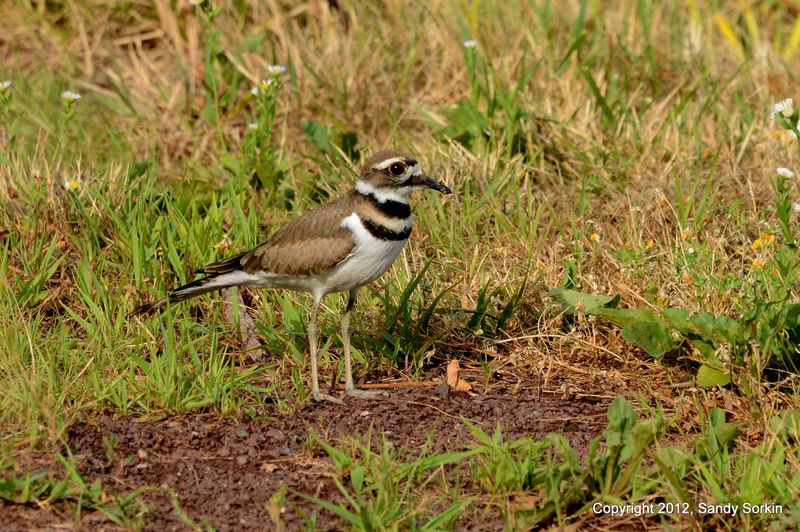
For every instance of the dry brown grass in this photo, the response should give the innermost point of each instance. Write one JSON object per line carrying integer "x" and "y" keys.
{"x": 371, "y": 68}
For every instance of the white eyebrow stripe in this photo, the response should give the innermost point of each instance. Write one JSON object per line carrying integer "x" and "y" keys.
{"x": 388, "y": 162}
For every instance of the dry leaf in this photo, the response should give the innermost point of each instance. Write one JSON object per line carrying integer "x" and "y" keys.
{"x": 462, "y": 386}
{"x": 452, "y": 373}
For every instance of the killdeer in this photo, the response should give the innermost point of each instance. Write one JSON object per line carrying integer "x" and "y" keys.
{"x": 337, "y": 247}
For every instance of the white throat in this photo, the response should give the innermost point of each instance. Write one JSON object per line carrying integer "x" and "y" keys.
{"x": 384, "y": 194}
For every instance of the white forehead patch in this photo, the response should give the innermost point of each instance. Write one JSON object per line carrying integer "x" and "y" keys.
{"x": 388, "y": 162}
{"x": 415, "y": 169}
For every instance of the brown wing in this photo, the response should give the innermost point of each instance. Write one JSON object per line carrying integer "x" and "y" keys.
{"x": 309, "y": 245}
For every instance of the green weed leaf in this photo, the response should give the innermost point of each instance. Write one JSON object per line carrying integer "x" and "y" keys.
{"x": 319, "y": 134}
{"x": 621, "y": 419}
{"x": 652, "y": 336}
{"x": 708, "y": 377}
{"x": 574, "y": 301}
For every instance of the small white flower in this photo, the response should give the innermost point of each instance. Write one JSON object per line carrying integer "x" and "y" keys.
{"x": 784, "y": 107}
{"x": 6, "y": 84}
{"x": 796, "y": 207}
{"x": 785, "y": 172}
{"x": 470, "y": 44}
{"x": 70, "y": 96}
{"x": 252, "y": 125}
{"x": 276, "y": 70}
{"x": 72, "y": 184}
{"x": 196, "y": 2}
{"x": 264, "y": 85}
{"x": 690, "y": 251}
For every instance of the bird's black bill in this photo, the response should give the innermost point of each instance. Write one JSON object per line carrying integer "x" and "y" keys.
{"x": 435, "y": 185}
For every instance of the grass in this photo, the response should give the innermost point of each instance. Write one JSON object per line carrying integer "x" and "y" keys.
{"x": 623, "y": 151}
{"x": 46, "y": 487}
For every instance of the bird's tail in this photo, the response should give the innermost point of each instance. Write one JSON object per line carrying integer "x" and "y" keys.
{"x": 204, "y": 285}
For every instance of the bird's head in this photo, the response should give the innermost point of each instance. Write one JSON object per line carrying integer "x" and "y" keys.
{"x": 396, "y": 174}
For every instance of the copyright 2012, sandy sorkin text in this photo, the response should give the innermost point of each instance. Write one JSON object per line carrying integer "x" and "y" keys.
{"x": 659, "y": 508}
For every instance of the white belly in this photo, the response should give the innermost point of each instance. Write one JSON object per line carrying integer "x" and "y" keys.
{"x": 370, "y": 258}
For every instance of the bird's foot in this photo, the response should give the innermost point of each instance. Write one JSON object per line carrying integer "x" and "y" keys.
{"x": 325, "y": 397}
{"x": 365, "y": 394}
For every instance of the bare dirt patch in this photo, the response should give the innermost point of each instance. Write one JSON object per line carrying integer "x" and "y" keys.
{"x": 225, "y": 471}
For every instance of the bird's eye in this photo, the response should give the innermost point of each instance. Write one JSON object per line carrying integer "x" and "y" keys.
{"x": 397, "y": 169}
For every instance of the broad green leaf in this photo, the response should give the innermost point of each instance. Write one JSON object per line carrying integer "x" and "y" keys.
{"x": 705, "y": 347}
{"x": 319, "y": 134}
{"x": 622, "y": 317}
{"x": 575, "y": 301}
{"x": 674, "y": 457}
{"x": 723, "y": 431}
{"x": 679, "y": 319}
{"x": 708, "y": 377}
{"x": 718, "y": 329}
{"x": 621, "y": 418}
{"x": 652, "y": 336}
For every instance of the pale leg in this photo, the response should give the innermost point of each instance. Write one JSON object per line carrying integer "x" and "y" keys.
{"x": 313, "y": 340}
{"x": 349, "y": 388}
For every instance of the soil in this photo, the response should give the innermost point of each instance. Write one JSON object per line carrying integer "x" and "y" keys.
{"x": 225, "y": 471}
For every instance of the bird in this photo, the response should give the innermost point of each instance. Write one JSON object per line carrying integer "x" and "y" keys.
{"x": 339, "y": 246}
